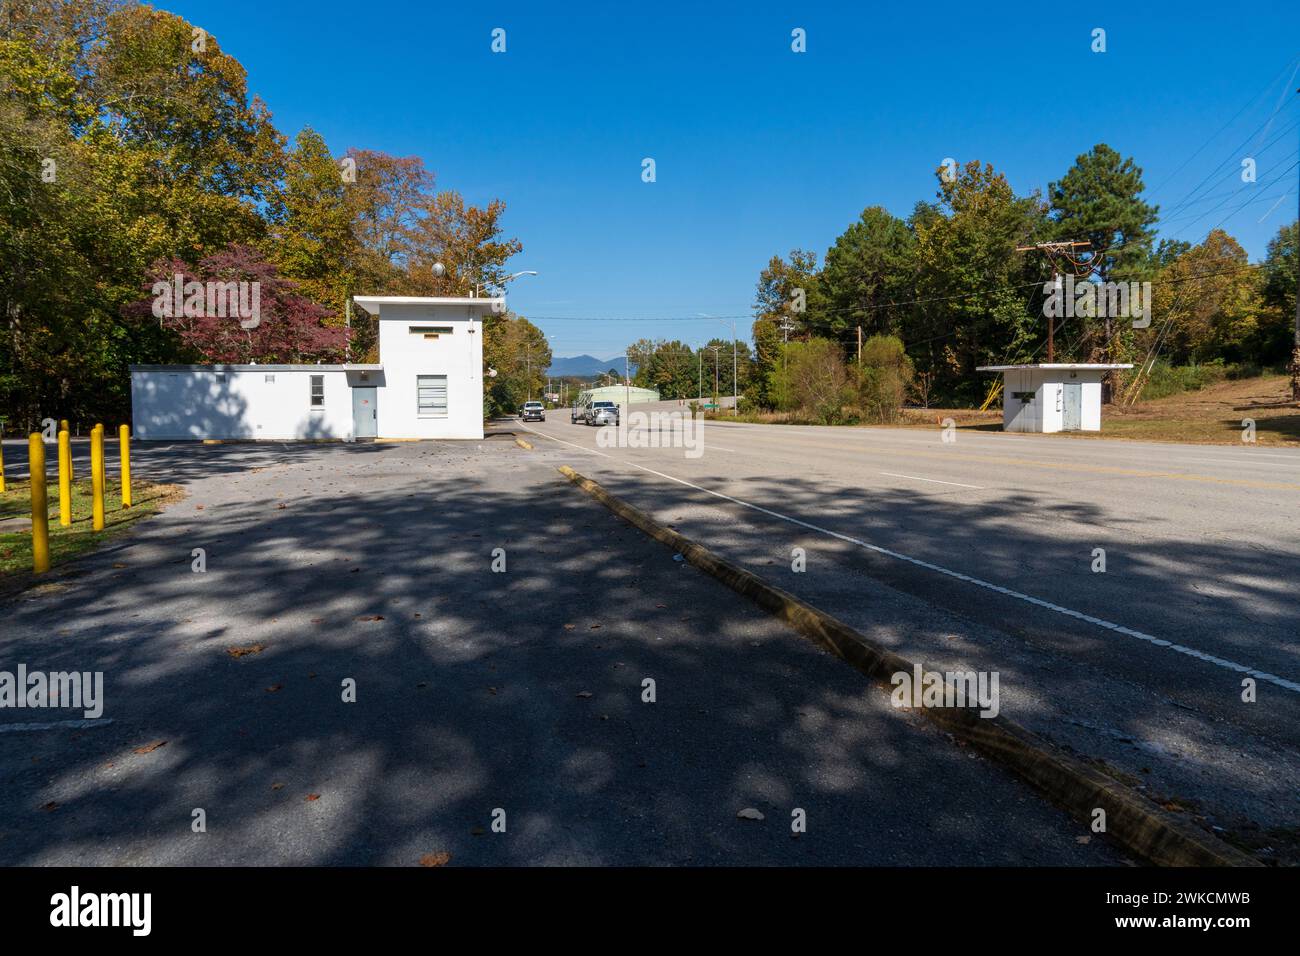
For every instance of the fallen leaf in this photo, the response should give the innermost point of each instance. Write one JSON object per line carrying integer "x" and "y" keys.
{"x": 311, "y": 797}
{"x": 280, "y": 507}
{"x": 1083, "y": 839}
{"x": 441, "y": 858}
{"x": 749, "y": 813}
{"x": 371, "y": 617}
{"x": 595, "y": 627}
{"x": 118, "y": 565}
{"x": 584, "y": 694}
{"x": 273, "y": 688}
{"x": 198, "y": 507}
{"x": 569, "y": 627}
{"x": 238, "y": 652}
{"x": 150, "y": 748}
{"x": 277, "y": 786}
{"x": 51, "y": 806}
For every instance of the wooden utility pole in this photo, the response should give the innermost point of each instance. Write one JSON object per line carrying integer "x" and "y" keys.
{"x": 1055, "y": 251}
{"x": 859, "y": 345}
{"x": 1295, "y": 345}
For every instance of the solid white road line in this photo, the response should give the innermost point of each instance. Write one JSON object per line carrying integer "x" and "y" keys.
{"x": 78, "y": 724}
{"x": 935, "y": 480}
{"x": 968, "y": 579}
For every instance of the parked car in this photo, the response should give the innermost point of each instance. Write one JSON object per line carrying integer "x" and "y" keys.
{"x": 601, "y": 413}
{"x": 533, "y": 412}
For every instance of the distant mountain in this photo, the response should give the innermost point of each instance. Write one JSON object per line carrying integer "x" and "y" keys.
{"x": 584, "y": 365}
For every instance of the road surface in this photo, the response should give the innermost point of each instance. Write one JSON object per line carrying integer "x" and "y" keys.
{"x": 984, "y": 552}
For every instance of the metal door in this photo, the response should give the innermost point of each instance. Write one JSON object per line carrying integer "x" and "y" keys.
{"x": 1072, "y": 410}
{"x": 365, "y": 413}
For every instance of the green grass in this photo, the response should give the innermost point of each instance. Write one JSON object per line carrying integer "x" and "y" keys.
{"x": 78, "y": 539}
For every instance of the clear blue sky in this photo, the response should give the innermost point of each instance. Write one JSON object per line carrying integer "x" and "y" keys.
{"x": 758, "y": 149}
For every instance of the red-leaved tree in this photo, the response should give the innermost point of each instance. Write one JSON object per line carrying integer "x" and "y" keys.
{"x": 234, "y": 307}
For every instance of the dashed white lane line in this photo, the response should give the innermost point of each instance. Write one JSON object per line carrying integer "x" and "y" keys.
{"x": 966, "y": 578}
{"x": 957, "y": 484}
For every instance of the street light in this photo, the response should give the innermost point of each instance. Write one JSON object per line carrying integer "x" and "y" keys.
{"x": 714, "y": 349}
{"x": 502, "y": 283}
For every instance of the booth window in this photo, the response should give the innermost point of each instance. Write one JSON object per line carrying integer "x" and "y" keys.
{"x": 432, "y": 396}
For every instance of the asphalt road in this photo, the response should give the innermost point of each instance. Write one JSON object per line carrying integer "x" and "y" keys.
{"x": 980, "y": 553}
{"x": 475, "y": 691}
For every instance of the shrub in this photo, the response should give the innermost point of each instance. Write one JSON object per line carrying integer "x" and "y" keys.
{"x": 811, "y": 378}
{"x": 884, "y": 379}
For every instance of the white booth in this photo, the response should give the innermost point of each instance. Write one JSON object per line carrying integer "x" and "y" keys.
{"x": 428, "y": 383}
{"x": 1052, "y": 398}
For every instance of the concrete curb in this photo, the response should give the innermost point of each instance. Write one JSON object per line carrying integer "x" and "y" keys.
{"x": 1131, "y": 821}
{"x": 523, "y": 444}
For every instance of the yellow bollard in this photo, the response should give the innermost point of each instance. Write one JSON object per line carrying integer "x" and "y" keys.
{"x": 64, "y": 426}
{"x": 97, "y": 477}
{"x": 65, "y": 479}
{"x": 40, "y": 506}
{"x": 124, "y": 449}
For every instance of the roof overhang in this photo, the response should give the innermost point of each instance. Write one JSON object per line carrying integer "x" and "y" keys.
{"x": 255, "y": 368}
{"x": 375, "y": 303}
{"x": 1057, "y": 366}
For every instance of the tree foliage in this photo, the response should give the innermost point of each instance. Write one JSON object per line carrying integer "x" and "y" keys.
{"x": 130, "y": 140}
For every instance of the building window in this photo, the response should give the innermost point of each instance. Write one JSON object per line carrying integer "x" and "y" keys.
{"x": 432, "y": 392}
{"x": 318, "y": 391}
{"x": 268, "y": 379}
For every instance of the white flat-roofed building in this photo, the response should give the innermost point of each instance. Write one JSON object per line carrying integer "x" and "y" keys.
{"x": 1058, "y": 397}
{"x": 428, "y": 383}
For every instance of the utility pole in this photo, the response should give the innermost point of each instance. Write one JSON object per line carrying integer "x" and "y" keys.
{"x": 715, "y": 349}
{"x": 1056, "y": 251}
{"x": 1295, "y": 346}
{"x": 786, "y": 328}
{"x": 859, "y": 345}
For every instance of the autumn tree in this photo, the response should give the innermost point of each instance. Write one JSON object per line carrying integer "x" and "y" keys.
{"x": 786, "y": 286}
{"x": 283, "y": 326}
{"x": 518, "y": 352}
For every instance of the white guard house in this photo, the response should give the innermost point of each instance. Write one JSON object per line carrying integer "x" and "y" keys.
{"x": 428, "y": 384}
{"x": 1051, "y": 398}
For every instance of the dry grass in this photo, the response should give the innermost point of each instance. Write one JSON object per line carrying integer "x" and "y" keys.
{"x": 71, "y": 542}
{"x": 1213, "y": 415}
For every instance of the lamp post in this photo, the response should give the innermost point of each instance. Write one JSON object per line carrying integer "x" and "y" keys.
{"x": 502, "y": 283}
{"x": 735, "y": 364}
{"x": 715, "y": 349}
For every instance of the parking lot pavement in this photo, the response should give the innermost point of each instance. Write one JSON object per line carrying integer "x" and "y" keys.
{"x": 483, "y": 698}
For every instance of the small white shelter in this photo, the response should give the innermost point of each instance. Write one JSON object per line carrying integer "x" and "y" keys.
{"x": 428, "y": 383}
{"x": 1052, "y": 398}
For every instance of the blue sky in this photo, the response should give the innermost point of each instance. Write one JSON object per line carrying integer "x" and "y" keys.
{"x": 759, "y": 150}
